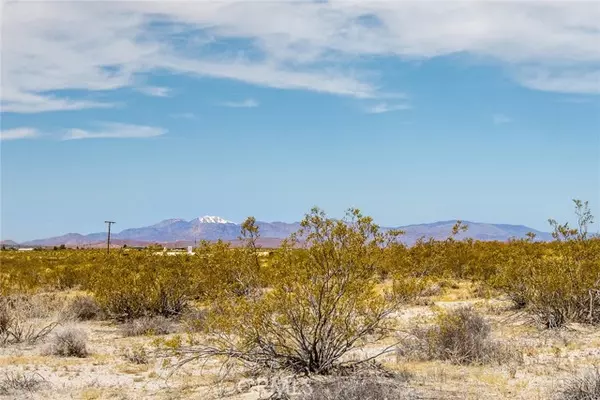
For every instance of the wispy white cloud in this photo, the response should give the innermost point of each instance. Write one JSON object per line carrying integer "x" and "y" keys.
{"x": 18, "y": 133}
{"x": 381, "y": 108}
{"x": 115, "y": 131}
{"x": 499, "y": 119}
{"x": 271, "y": 75}
{"x": 248, "y": 103}
{"x": 155, "y": 91}
{"x": 576, "y": 80}
{"x": 30, "y": 103}
{"x": 50, "y": 47}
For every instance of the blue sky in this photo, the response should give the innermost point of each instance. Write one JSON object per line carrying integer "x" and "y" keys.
{"x": 139, "y": 112}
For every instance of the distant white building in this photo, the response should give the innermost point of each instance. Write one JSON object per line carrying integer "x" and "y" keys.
{"x": 25, "y": 249}
{"x": 175, "y": 252}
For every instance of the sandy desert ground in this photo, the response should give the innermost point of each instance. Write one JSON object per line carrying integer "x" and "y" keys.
{"x": 549, "y": 358}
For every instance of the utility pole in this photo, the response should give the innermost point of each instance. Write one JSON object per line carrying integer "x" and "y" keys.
{"x": 108, "y": 239}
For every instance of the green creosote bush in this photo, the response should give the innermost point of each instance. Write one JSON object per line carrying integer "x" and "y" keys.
{"x": 144, "y": 284}
{"x": 323, "y": 300}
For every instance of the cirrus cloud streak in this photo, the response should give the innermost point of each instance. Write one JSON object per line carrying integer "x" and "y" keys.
{"x": 53, "y": 47}
{"x": 115, "y": 131}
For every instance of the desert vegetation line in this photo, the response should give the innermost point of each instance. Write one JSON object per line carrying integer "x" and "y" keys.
{"x": 327, "y": 290}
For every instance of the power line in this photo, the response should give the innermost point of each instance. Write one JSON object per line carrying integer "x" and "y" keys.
{"x": 108, "y": 238}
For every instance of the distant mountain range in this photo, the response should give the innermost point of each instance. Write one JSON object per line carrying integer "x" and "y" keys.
{"x": 179, "y": 233}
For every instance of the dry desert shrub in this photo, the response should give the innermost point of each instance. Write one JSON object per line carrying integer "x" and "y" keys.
{"x": 82, "y": 308}
{"x": 69, "y": 342}
{"x": 15, "y": 326}
{"x": 33, "y": 306}
{"x": 5, "y": 317}
{"x": 353, "y": 388}
{"x": 12, "y": 383}
{"x": 147, "y": 326}
{"x": 584, "y": 387}
{"x": 460, "y": 336}
{"x": 136, "y": 355}
{"x": 46, "y": 305}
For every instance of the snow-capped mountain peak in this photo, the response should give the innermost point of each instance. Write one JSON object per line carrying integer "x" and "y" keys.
{"x": 209, "y": 219}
